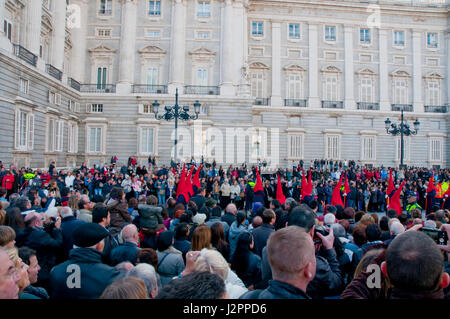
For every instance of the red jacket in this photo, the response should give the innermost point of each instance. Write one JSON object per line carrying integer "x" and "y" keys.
{"x": 8, "y": 182}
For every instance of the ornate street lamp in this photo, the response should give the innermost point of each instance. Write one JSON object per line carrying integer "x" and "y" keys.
{"x": 176, "y": 112}
{"x": 401, "y": 129}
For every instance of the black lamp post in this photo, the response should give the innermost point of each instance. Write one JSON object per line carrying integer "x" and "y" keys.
{"x": 176, "y": 112}
{"x": 402, "y": 128}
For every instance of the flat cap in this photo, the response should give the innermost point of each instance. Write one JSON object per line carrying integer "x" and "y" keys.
{"x": 88, "y": 235}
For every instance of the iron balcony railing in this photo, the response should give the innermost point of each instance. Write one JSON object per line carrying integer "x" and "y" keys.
{"x": 50, "y": 69}
{"x": 295, "y": 102}
{"x": 332, "y": 104}
{"x": 98, "y": 88}
{"x": 436, "y": 108}
{"x": 206, "y": 90}
{"x": 152, "y": 89}
{"x": 404, "y": 107}
{"x": 368, "y": 106}
{"x": 74, "y": 84}
{"x": 261, "y": 101}
{"x": 25, "y": 55}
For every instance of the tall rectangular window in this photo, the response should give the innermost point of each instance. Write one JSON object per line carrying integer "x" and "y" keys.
{"x": 59, "y": 136}
{"x": 432, "y": 93}
{"x": 101, "y": 78}
{"x": 330, "y": 33}
{"x": 51, "y": 135}
{"x": 23, "y": 85}
{"x": 295, "y": 146}
{"x": 152, "y": 76}
{"x": 364, "y": 36}
{"x": 436, "y": 150}
{"x": 399, "y": 38}
{"x": 154, "y": 8}
{"x": 202, "y": 77}
{"x": 294, "y": 86}
{"x": 72, "y": 138}
{"x": 333, "y": 145}
{"x": 95, "y": 139}
{"x": 147, "y": 140}
{"x": 432, "y": 40}
{"x": 368, "y": 148}
{"x": 257, "y": 29}
{"x": 204, "y": 9}
{"x": 7, "y": 29}
{"x": 405, "y": 149}
{"x": 257, "y": 84}
{"x": 330, "y": 88}
{"x": 400, "y": 91}
{"x": 367, "y": 90}
{"x": 21, "y": 130}
{"x": 294, "y": 31}
{"x": 105, "y": 7}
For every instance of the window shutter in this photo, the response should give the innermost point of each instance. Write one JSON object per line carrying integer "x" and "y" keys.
{"x": 61, "y": 140}
{"x": 76, "y": 139}
{"x": 49, "y": 96}
{"x": 57, "y": 99}
{"x": 140, "y": 108}
{"x": 88, "y": 108}
{"x": 30, "y": 131}
{"x": 17, "y": 129}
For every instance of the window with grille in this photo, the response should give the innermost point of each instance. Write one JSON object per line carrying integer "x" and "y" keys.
{"x": 204, "y": 35}
{"x": 295, "y": 146}
{"x": 399, "y": 38}
{"x": 433, "y": 93}
{"x": 400, "y": 91}
{"x": 294, "y": 86}
{"x": 257, "y": 29}
{"x": 330, "y": 33}
{"x": 331, "y": 90}
{"x": 436, "y": 149}
{"x": 153, "y": 33}
{"x": 257, "y": 84}
{"x": 367, "y": 90}
{"x": 94, "y": 108}
{"x": 147, "y": 140}
{"x": 368, "y": 148}
{"x": 432, "y": 40}
{"x": 154, "y": 8}
{"x": 24, "y": 130}
{"x": 332, "y": 146}
{"x": 95, "y": 139}
{"x": 104, "y": 33}
{"x": 294, "y": 31}
{"x": 105, "y": 7}
{"x": 204, "y": 9}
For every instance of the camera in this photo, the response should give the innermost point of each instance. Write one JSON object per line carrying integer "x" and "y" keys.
{"x": 439, "y": 236}
{"x": 324, "y": 231}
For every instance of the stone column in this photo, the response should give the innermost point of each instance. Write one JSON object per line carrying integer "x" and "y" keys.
{"x": 314, "y": 99}
{"x": 240, "y": 34}
{"x": 349, "y": 100}
{"x": 417, "y": 71}
{"x": 79, "y": 33}
{"x": 383, "y": 70}
{"x": 177, "y": 47}
{"x": 275, "y": 99}
{"x": 127, "y": 46}
{"x": 59, "y": 34}
{"x": 226, "y": 86}
{"x": 2, "y": 16}
{"x": 34, "y": 26}
{"x": 447, "y": 36}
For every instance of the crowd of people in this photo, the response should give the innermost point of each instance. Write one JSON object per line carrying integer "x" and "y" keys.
{"x": 200, "y": 230}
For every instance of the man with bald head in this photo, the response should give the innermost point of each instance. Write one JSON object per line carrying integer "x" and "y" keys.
{"x": 45, "y": 243}
{"x": 292, "y": 259}
{"x": 230, "y": 214}
{"x": 129, "y": 249}
{"x": 9, "y": 277}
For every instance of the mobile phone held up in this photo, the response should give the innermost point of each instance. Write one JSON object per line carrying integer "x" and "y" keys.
{"x": 439, "y": 236}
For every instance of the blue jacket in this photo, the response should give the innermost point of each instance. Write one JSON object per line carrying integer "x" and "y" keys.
{"x": 125, "y": 252}
{"x": 233, "y": 236}
{"x": 68, "y": 225}
{"x": 276, "y": 290}
{"x": 94, "y": 275}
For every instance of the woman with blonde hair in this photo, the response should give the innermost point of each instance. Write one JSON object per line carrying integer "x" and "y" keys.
{"x": 126, "y": 288}
{"x": 22, "y": 269}
{"x": 201, "y": 238}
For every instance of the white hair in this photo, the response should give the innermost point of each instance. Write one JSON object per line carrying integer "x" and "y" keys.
{"x": 147, "y": 273}
{"x": 66, "y": 212}
{"x": 213, "y": 262}
{"x": 52, "y": 212}
{"x": 430, "y": 224}
{"x": 338, "y": 230}
{"x": 396, "y": 228}
{"x": 329, "y": 219}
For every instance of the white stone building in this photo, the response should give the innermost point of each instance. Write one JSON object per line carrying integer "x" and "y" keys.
{"x": 299, "y": 79}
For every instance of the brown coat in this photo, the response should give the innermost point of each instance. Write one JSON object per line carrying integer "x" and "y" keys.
{"x": 119, "y": 213}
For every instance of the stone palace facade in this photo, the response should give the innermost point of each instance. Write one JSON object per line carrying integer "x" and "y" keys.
{"x": 278, "y": 81}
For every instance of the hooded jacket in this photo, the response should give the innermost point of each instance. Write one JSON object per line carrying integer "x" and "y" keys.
{"x": 119, "y": 213}
{"x": 233, "y": 236}
{"x": 150, "y": 216}
{"x": 94, "y": 275}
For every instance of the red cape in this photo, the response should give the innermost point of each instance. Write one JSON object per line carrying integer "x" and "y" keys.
{"x": 336, "y": 196}
{"x": 258, "y": 185}
{"x": 395, "y": 200}
{"x": 280, "y": 196}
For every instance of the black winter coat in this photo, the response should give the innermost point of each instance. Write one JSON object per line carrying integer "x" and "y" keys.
{"x": 46, "y": 245}
{"x": 260, "y": 237}
{"x": 126, "y": 252}
{"x": 94, "y": 276}
{"x": 276, "y": 290}
{"x": 68, "y": 225}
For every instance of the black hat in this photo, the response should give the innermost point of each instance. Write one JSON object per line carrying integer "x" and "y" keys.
{"x": 88, "y": 235}
{"x": 165, "y": 239}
